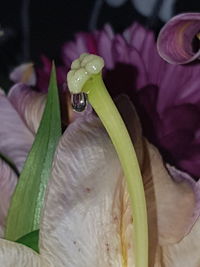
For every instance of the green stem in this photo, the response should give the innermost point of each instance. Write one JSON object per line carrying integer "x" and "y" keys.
{"x": 102, "y": 103}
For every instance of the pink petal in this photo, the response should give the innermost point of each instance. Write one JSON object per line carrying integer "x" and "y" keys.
{"x": 104, "y": 46}
{"x": 8, "y": 180}
{"x": 29, "y": 104}
{"x": 100, "y": 42}
{"x": 175, "y": 41}
{"x": 15, "y": 138}
{"x": 43, "y": 74}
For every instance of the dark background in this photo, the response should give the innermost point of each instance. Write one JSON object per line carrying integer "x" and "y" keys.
{"x": 32, "y": 28}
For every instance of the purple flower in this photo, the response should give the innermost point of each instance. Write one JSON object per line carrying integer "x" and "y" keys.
{"x": 166, "y": 96}
{"x": 179, "y": 40}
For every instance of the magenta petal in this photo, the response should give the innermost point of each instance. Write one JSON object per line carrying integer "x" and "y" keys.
{"x": 15, "y": 138}
{"x": 8, "y": 180}
{"x": 43, "y": 74}
{"x": 175, "y": 41}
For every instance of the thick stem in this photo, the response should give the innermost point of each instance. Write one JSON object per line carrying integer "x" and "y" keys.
{"x": 102, "y": 103}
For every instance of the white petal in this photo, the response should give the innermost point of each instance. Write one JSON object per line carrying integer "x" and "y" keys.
{"x": 185, "y": 253}
{"x": 175, "y": 202}
{"x": 82, "y": 216}
{"x": 17, "y": 255}
{"x": 87, "y": 214}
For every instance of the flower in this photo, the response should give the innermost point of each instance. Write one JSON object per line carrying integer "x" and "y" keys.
{"x": 178, "y": 42}
{"x": 86, "y": 219}
{"x": 166, "y": 96}
{"x": 20, "y": 114}
{"x": 37, "y": 76}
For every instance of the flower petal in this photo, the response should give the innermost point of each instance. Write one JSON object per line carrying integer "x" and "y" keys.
{"x": 157, "y": 180}
{"x": 87, "y": 212}
{"x": 81, "y": 216}
{"x": 29, "y": 104}
{"x": 175, "y": 41}
{"x": 8, "y": 180}
{"x": 175, "y": 202}
{"x": 43, "y": 74}
{"x": 14, "y": 254}
{"x": 185, "y": 253}
{"x": 180, "y": 176}
{"x": 15, "y": 138}
{"x": 171, "y": 221}
{"x": 24, "y": 73}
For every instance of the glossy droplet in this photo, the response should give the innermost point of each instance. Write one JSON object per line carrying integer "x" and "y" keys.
{"x": 79, "y": 102}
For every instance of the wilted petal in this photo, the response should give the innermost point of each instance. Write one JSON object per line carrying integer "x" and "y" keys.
{"x": 24, "y": 73}
{"x": 185, "y": 253}
{"x": 180, "y": 176}
{"x": 174, "y": 221}
{"x": 81, "y": 216}
{"x": 176, "y": 39}
{"x": 29, "y": 104}
{"x": 15, "y": 138}
{"x": 87, "y": 212}
{"x": 8, "y": 180}
{"x": 175, "y": 201}
{"x": 14, "y": 254}
{"x": 166, "y": 188}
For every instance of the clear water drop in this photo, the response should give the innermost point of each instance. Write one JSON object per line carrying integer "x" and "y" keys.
{"x": 79, "y": 102}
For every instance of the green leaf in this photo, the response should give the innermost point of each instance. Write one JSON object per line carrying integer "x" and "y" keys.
{"x": 27, "y": 202}
{"x": 30, "y": 240}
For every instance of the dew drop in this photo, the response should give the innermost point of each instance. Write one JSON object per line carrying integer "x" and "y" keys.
{"x": 79, "y": 102}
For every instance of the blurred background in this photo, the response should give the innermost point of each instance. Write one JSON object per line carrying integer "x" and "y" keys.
{"x": 29, "y": 29}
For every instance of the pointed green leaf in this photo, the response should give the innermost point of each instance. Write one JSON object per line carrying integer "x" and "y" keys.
{"x": 27, "y": 202}
{"x": 30, "y": 240}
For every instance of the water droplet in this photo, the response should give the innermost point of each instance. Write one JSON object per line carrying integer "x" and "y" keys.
{"x": 79, "y": 102}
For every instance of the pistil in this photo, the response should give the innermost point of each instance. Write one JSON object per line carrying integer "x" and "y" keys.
{"x": 86, "y": 77}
